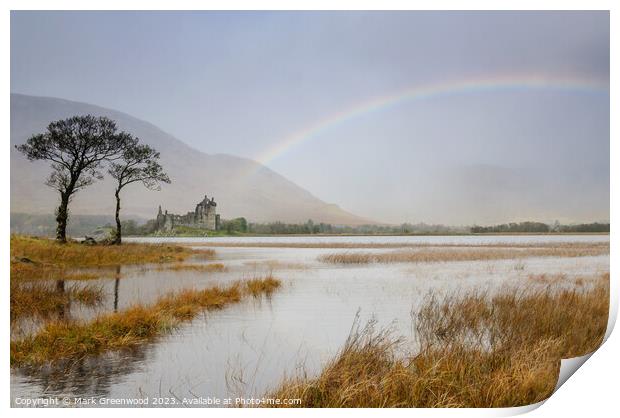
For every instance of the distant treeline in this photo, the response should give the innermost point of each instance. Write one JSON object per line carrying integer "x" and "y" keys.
{"x": 280, "y": 228}
{"x": 45, "y": 225}
{"x": 539, "y": 227}
{"x": 238, "y": 226}
{"x": 593, "y": 227}
{"x": 81, "y": 225}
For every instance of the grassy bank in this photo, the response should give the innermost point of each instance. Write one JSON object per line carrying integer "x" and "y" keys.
{"x": 474, "y": 351}
{"x": 66, "y": 340}
{"x": 461, "y": 254}
{"x": 41, "y": 258}
{"x": 74, "y": 254}
{"x": 40, "y": 267}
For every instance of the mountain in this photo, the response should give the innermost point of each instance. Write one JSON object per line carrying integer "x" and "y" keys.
{"x": 241, "y": 187}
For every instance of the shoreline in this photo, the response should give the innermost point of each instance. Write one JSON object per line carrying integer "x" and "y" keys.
{"x": 376, "y": 235}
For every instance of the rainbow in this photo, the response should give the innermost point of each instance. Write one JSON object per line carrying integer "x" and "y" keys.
{"x": 427, "y": 92}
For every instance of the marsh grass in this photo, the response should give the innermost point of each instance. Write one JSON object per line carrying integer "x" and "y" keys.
{"x": 45, "y": 299}
{"x": 550, "y": 279}
{"x": 38, "y": 264}
{"x": 476, "y": 350}
{"x": 30, "y": 271}
{"x": 72, "y": 340}
{"x": 260, "y": 286}
{"x": 26, "y": 270}
{"x": 460, "y": 254}
{"x": 41, "y": 258}
{"x": 211, "y": 267}
{"x": 276, "y": 265}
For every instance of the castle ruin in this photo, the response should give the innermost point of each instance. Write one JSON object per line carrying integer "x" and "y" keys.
{"x": 203, "y": 217}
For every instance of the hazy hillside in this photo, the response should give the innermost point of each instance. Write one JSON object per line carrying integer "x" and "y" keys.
{"x": 241, "y": 187}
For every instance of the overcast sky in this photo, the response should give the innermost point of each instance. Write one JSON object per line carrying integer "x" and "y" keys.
{"x": 241, "y": 83}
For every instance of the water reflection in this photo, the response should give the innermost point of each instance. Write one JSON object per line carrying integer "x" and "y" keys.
{"x": 117, "y": 281}
{"x": 90, "y": 376}
{"x": 247, "y": 348}
{"x": 62, "y": 307}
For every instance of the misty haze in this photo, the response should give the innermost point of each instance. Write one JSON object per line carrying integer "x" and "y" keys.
{"x": 509, "y": 151}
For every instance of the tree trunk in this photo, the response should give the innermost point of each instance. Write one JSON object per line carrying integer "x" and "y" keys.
{"x": 117, "y": 282}
{"x": 117, "y": 236}
{"x": 62, "y": 215}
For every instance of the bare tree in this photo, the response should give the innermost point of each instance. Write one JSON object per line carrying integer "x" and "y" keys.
{"x": 76, "y": 148}
{"x": 138, "y": 163}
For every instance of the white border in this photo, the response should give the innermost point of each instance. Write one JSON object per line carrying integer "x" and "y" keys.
{"x": 591, "y": 391}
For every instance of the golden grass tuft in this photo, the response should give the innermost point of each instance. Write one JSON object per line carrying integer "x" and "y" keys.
{"x": 45, "y": 299}
{"x": 460, "y": 254}
{"x": 67, "y": 340}
{"x": 474, "y": 351}
{"x": 266, "y": 286}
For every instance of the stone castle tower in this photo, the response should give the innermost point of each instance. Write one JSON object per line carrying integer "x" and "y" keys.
{"x": 203, "y": 217}
{"x": 205, "y": 213}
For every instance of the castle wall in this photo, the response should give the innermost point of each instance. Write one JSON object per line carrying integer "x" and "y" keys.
{"x": 204, "y": 217}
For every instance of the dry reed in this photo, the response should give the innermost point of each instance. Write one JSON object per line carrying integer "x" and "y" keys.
{"x": 70, "y": 340}
{"x": 266, "y": 286}
{"x": 474, "y": 351}
{"x": 468, "y": 254}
